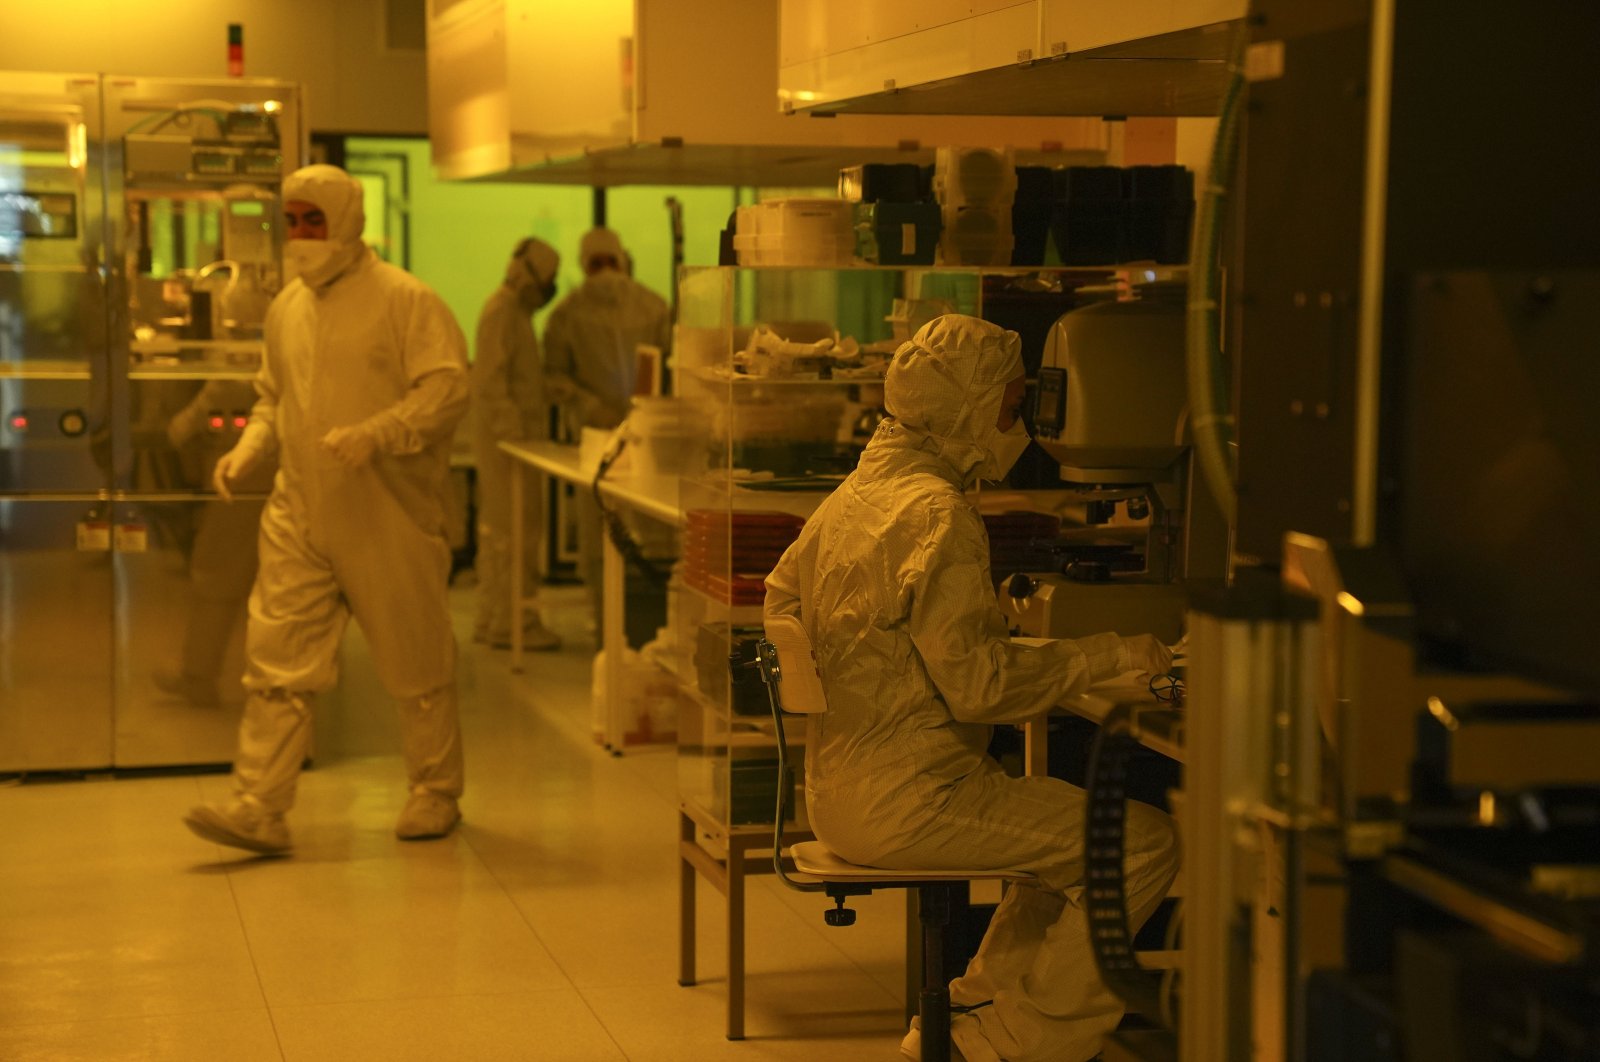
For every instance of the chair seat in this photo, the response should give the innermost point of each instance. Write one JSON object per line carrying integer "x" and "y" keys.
{"x": 813, "y": 859}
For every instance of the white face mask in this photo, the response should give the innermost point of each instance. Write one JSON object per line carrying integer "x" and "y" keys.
{"x": 308, "y": 259}
{"x": 1004, "y": 447}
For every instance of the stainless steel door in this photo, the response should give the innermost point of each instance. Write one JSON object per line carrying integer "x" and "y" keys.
{"x": 55, "y": 428}
{"x": 184, "y": 571}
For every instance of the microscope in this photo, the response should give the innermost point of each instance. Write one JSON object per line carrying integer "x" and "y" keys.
{"x": 1111, "y": 410}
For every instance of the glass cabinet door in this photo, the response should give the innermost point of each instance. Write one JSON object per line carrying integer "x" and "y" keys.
{"x": 195, "y": 221}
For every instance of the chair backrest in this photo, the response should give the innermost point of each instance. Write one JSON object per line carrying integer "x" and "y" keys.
{"x": 799, "y": 683}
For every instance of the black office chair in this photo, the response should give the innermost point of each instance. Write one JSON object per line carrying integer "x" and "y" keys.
{"x": 789, "y": 668}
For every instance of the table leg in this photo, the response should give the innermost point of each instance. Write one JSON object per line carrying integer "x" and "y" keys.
{"x": 686, "y": 903}
{"x": 615, "y": 642}
{"x": 518, "y": 533}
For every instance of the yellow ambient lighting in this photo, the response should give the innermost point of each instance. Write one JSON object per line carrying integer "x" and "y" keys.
{"x": 1351, "y": 604}
{"x": 1441, "y": 712}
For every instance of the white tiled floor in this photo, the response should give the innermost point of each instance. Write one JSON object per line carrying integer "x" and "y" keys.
{"x": 544, "y": 929}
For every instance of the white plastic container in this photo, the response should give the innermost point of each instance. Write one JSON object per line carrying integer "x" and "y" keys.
{"x": 964, "y": 177}
{"x": 666, "y": 437}
{"x": 795, "y": 232}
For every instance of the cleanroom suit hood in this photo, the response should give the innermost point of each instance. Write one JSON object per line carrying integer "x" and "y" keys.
{"x": 592, "y": 336}
{"x": 531, "y": 273}
{"x": 890, "y": 577}
{"x": 945, "y": 387}
{"x": 339, "y": 197}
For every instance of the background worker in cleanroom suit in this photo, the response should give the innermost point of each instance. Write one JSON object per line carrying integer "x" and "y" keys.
{"x": 890, "y": 577}
{"x": 362, "y": 385}
{"x": 509, "y": 403}
{"x": 591, "y": 342}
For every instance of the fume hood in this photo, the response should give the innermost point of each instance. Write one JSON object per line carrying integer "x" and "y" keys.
{"x": 664, "y": 92}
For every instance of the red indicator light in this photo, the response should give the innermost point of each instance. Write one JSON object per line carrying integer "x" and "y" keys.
{"x": 239, "y": 422}
{"x": 19, "y": 422}
{"x": 216, "y": 422}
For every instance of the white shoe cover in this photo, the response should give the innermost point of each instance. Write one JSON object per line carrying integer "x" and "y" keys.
{"x": 241, "y": 823}
{"x": 427, "y": 814}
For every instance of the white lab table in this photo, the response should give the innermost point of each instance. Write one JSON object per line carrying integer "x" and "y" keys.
{"x": 654, "y": 496}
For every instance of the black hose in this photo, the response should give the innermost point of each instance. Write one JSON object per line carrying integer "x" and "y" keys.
{"x": 1105, "y": 895}
{"x": 616, "y": 529}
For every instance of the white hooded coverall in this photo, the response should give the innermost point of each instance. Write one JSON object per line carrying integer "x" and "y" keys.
{"x": 591, "y": 342}
{"x": 352, "y": 343}
{"x": 508, "y": 403}
{"x": 891, "y": 578}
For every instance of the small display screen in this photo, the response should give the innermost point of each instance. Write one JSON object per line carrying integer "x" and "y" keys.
{"x": 1050, "y": 402}
{"x": 35, "y": 215}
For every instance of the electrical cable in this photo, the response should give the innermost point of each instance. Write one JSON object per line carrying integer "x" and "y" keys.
{"x": 1209, "y": 381}
{"x": 615, "y": 528}
{"x": 771, "y": 676}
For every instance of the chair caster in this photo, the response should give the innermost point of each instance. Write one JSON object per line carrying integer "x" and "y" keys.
{"x": 840, "y": 915}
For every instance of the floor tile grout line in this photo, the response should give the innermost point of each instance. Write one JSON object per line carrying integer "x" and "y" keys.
{"x": 255, "y": 967}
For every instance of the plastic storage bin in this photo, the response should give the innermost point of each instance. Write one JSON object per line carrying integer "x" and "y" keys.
{"x": 795, "y": 232}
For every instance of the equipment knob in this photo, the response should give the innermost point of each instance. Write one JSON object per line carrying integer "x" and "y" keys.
{"x": 1021, "y": 587}
{"x": 73, "y": 423}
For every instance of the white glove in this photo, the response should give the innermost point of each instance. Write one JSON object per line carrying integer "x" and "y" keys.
{"x": 230, "y": 466}
{"x": 351, "y": 447}
{"x": 1147, "y": 653}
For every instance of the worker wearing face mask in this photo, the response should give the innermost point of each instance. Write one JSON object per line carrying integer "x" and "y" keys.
{"x": 509, "y": 403}
{"x": 891, "y": 579}
{"x": 362, "y": 385}
{"x": 591, "y": 342}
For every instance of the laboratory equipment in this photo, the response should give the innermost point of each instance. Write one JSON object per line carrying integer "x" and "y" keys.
{"x": 1389, "y": 815}
{"x": 138, "y": 251}
{"x": 1111, "y": 411}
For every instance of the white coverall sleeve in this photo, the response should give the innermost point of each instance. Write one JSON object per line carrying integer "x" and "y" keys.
{"x": 435, "y": 358}
{"x": 960, "y": 634}
{"x": 260, "y": 435}
{"x": 783, "y": 586}
{"x": 491, "y": 375}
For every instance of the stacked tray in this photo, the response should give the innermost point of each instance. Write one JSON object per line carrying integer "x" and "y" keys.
{"x": 728, "y": 555}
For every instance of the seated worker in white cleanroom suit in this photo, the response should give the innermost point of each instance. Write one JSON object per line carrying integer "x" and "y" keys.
{"x": 509, "y": 404}
{"x": 363, "y": 383}
{"x": 890, "y": 577}
{"x": 590, "y": 348}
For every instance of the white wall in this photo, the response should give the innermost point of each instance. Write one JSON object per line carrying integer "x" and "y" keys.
{"x": 333, "y": 48}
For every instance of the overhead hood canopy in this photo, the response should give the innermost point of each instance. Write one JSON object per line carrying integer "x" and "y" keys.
{"x": 616, "y": 92}
{"x": 1020, "y": 57}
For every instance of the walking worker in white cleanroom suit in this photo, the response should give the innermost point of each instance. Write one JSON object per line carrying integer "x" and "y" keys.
{"x": 363, "y": 383}
{"x": 509, "y": 404}
{"x": 891, "y": 579}
{"x": 591, "y": 342}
